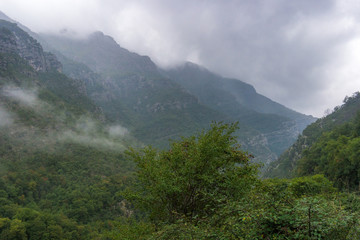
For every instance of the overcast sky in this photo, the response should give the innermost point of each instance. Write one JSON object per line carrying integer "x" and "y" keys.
{"x": 304, "y": 54}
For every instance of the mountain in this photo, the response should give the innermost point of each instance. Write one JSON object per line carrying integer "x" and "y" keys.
{"x": 240, "y": 101}
{"x": 287, "y": 163}
{"x": 207, "y": 85}
{"x": 3, "y": 16}
{"x": 157, "y": 105}
{"x": 131, "y": 90}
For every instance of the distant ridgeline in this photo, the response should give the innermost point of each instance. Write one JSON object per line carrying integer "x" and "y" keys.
{"x": 329, "y": 146}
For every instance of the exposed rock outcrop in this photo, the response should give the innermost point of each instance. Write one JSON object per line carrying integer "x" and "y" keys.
{"x": 13, "y": 40}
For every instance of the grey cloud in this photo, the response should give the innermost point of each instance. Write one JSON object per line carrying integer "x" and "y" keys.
{"x": 295, "y": 52}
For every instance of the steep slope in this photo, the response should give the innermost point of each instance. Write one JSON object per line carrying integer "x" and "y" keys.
{"x": 288, "y": 161}
{"x": 131, "y": 90}
{"x": 61, "y": 161}
{"x": 239, "y": 100}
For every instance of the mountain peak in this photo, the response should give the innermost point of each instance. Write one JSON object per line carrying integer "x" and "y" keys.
{"x": 3, "y": 16}
{"x": 102, "y": 53}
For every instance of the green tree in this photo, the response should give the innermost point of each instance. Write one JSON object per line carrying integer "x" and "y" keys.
{"x": 195, "y": 178}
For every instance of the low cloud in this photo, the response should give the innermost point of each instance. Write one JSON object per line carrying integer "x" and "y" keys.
{"x": 85, "y": 130}
{"x": 91, "y": 140}
{"x": 5, "y": 117}
{"x": 117, "y": 131}
{"x": 91, "y": 133}
{"x": 25, "y": 96}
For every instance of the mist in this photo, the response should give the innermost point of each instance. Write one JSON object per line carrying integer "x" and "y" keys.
{"x": 91, "y": 133}
{"x": 117, "y": 131}
{"x": 25, "y": 96}
{"x": 5, "y": 117}
{"x": 85, "y": 130}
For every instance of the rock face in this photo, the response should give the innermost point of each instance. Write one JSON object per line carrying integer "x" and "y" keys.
{"x": 24, "y": 63}
{"x": 15, "y": 40}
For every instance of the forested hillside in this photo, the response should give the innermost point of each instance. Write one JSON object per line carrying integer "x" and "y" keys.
{"x": 341, "y": 118}
{"x": 61, "y": 162}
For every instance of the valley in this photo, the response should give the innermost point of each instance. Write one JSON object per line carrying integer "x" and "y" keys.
{"x": 98, "y": 142}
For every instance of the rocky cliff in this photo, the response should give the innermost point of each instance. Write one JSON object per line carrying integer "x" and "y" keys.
{"x": 15, "y": 40}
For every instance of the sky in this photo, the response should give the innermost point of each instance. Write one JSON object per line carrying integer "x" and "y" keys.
{"x": 304, "y": 54}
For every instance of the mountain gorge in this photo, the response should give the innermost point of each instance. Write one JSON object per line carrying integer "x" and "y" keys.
{"x": 75, "y": 114}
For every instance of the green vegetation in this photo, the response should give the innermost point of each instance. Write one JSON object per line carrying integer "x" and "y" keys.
{"x": 64, "y": 173}
{"x": 336, "y": 155}
{"x": 193, "y": 179}
{"x": 204, "y": 187}
{"x": 61, "y": 167}
{"x": 340, "y": 123}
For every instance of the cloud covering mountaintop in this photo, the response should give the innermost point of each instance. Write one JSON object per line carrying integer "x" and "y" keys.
{"x": 303, "y": 54}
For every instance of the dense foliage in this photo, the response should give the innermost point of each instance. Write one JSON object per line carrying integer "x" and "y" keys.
{"x": 205, "y": 188}
{"x": 195, "y": 178}
{"x": 288, "y": 161}
{"x": 336, "y": 154}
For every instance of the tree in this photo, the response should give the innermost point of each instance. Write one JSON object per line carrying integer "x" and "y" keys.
{"x": 195, "y": 178}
